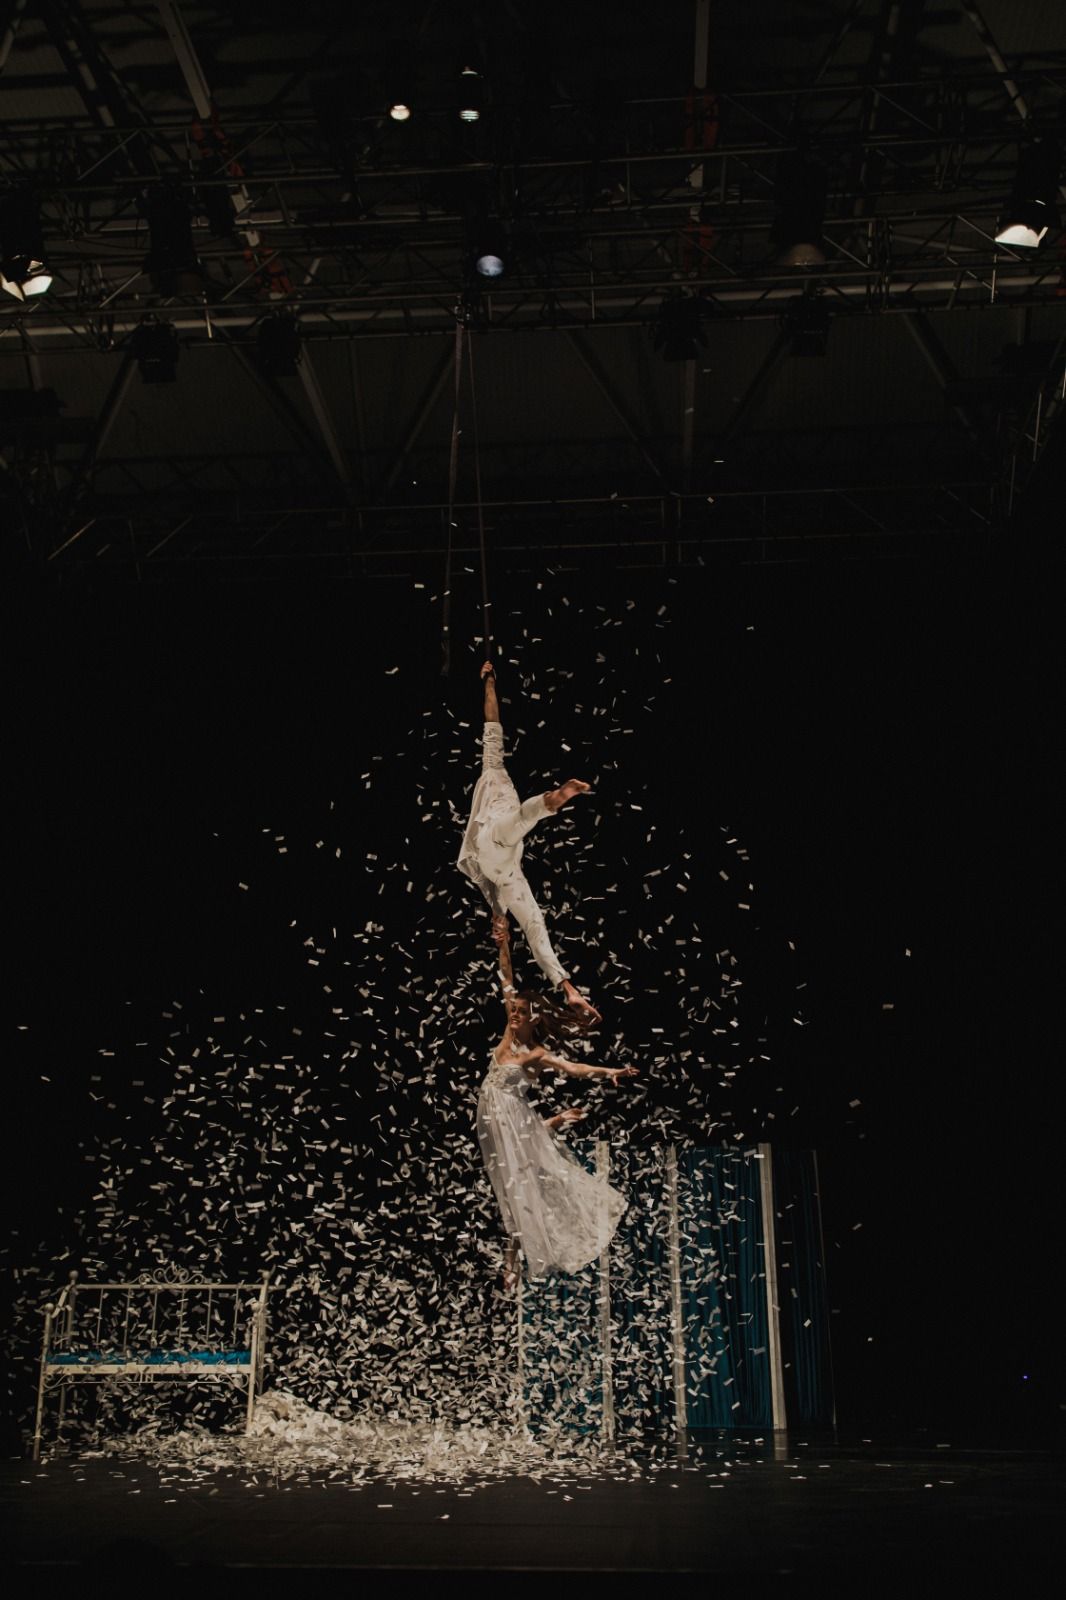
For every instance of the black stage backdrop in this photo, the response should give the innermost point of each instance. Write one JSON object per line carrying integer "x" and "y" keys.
{"x": 871, "y": 733}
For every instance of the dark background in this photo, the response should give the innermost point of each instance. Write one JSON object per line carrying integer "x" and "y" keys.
{"x": 876, "y": 733}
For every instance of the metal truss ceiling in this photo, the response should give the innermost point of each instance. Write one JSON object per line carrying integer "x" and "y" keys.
{"x": 611, "y": 203}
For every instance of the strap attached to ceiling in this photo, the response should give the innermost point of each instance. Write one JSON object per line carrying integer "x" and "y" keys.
{"x": 462, "y": 336}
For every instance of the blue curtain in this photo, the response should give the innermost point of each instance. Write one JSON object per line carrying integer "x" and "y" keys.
{"x": 723, "y": 1302}
{"x": 723, "y": 1289}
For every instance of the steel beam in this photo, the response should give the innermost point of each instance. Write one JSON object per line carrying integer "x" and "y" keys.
{"x": 756, "y": 384}
{"x": 987, "y": 282}
{"x": 105, "y": 421}
{"x": 430, "y": 395}
{"x": 943, "y": 369}
{"x": 196, "y": 82}
{"x": 323, "y": 417}
{"x": 610, "y": 394}
{"x": 11, "y": 30}
{"x": 278, "y": 400}
{"x": 106, "y": 99}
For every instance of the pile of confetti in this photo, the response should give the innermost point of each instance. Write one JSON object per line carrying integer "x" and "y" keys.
{"x": 330, "y": 1141}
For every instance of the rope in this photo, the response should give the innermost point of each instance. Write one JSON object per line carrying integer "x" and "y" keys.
{"x": 486, "y": 603}
{"x": 453, "y": 473}
{"x": 453, "y": 477}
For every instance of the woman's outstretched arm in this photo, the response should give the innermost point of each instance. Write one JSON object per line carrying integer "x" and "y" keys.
{"x": 501, "y": 934}
{"x": 584, "y": 1069}
{"x": 564, "y": 1118}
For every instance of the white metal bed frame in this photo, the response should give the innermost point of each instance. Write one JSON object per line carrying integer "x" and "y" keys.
{"x": 74, "y": 1351}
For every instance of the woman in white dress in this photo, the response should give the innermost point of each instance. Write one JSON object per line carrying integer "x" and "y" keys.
{"x": 557, "y": 1214}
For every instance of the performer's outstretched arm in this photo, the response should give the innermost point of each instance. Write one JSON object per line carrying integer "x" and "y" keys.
{"x": 584, "y": 1069}
{"x": 492, "y": 705}
{"x": 503, "y": 943}
{"x": 563, "y": 1119}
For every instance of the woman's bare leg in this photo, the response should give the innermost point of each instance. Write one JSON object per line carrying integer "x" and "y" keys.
{"x": 554, "y": 799}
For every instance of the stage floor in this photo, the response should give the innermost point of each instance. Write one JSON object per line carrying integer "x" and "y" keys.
{"x": 808, "y": 1510}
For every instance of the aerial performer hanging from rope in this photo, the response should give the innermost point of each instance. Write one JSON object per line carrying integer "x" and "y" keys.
{"x": 491, "y": 855}
{"x": 558, "y": 1216}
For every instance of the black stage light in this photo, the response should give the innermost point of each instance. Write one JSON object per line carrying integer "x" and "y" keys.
{"x": 806, "y": 321}
{"x": 278, "y": 345}
{"x": 155, "y": 345}
{"x": 799, "y": 211}
{"x": 171, "y": 262}
{"x": 215, "y": 202}
{"x": 23, "y": 271}
{"x": 679, "y": 329}
{"x": 1032, "y": 208}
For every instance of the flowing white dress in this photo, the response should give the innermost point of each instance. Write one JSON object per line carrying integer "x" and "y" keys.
{"x": 562, "y": 1215}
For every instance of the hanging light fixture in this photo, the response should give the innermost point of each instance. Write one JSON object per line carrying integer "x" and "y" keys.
{"x": 679, "y": 329}
{"x": 155, "y": 346}
{"x": 807, "y": 321}
{"x": 23, "y": 270}
{"x": 1031, "y": 209}
{"x": 400, "y": 90}
{"x": 799, "y": 211}
{"x": 489, "y": 251}
{"x": 171, "y": 262}
{"x": 278, "y": 345}
{"x": 471, "y": 94}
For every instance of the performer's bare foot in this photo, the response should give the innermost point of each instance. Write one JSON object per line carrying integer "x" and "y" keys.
{"x": 577, "y": 1001}
{"x": 509, "y": 1270}
{"x": 556, "y": 798}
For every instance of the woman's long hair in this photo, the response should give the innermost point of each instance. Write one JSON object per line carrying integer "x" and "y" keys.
{"x": 554, "y": 1022}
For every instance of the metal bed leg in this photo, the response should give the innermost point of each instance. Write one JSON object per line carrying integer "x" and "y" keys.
{"x": 253, "y": 1363}
{"x": 49, "y": 1312}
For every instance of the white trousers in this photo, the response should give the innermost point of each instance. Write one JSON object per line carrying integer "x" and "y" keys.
{"x": 500, "y": 822}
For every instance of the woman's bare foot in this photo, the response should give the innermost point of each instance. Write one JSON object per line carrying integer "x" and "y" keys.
{"x": 509, "y": 1270}
{"x": 577, "y": 1001}
{"x": 556, "y": 798}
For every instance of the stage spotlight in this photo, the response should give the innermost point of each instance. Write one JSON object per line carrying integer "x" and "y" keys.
{"x": 799, "y": 211}
{"x": 471, "y": 94}
{"x": 679, "y": 329}
{"x": 490, "y": 251}
{"x": 278, "y": 345}
{"x": 806, "y": 321}
{"x": 171, "y": 262}
{"x": 155, "y": 345}
{"x": 400, "y": 98}
{"x": 23, "y": 271}
{"x": 1031, "y": 210}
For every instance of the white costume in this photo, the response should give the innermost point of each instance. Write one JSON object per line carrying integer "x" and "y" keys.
{"x": 492, "y": 849}
{"x": 563, "y": 1216}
